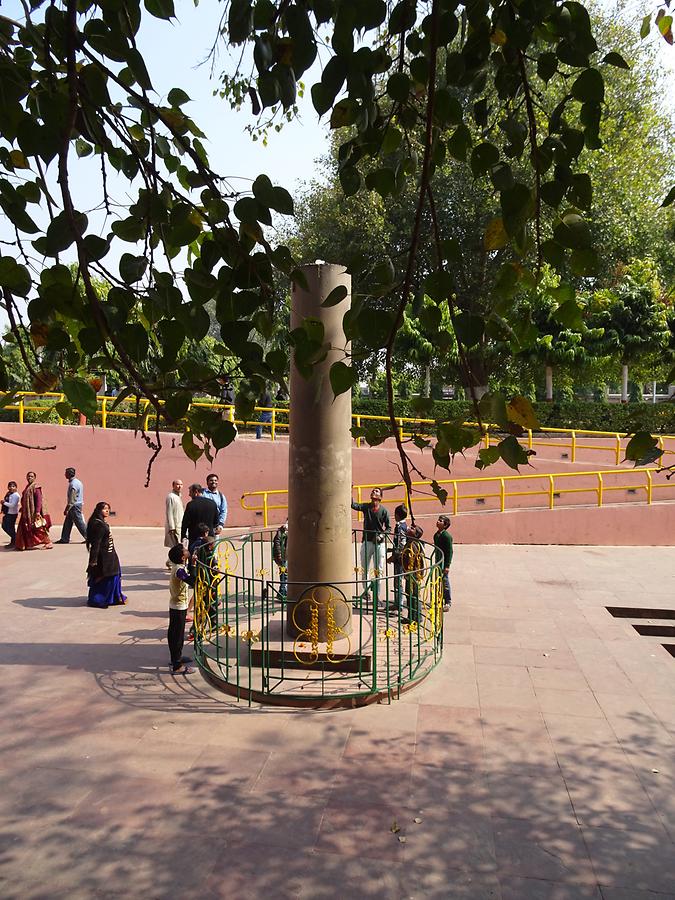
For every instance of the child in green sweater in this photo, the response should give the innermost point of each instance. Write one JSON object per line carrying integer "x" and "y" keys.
{"x": 443, "y": 543}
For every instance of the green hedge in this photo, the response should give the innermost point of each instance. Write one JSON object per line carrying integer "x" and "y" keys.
{"x": 658, "y": 418}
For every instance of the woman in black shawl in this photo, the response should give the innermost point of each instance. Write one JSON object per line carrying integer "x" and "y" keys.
{"x": 104, "y": 575}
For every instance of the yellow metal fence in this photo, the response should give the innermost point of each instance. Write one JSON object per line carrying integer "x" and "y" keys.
{"x": 141, "y": 411}
{"x": 500, "y": 487}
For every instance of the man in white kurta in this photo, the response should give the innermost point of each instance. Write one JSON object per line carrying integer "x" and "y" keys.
{"x": 174, "y": 515}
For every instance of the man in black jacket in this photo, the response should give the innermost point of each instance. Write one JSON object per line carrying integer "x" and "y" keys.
{"x": 199, "y": 509}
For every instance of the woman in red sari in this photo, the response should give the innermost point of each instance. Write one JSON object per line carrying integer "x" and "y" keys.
{"x": 34, "y": 523}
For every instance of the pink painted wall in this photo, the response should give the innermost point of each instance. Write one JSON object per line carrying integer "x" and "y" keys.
{"x": 112, "y": 464}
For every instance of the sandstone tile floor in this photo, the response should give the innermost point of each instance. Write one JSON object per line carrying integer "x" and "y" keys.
{"x": 536, "y": 763}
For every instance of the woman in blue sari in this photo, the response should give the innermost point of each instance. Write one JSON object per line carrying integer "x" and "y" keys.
{"x": 104, "y": 575}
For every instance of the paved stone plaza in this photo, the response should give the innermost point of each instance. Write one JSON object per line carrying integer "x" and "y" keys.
{"x": 536, "y": 762}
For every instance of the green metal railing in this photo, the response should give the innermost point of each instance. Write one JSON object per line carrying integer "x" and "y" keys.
{"x": 242, "y": 646}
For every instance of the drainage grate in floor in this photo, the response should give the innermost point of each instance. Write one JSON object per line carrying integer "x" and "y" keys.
{"x": 628, "y": 612}
{"x": 656, "y": 630}
{"x": 651, "y": 630}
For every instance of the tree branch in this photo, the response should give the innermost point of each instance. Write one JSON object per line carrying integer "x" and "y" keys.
{"x": 405, "y": 290}
{"x": 6, "y": 440}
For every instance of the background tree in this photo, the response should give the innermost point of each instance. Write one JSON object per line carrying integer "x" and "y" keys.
{"x": 632, "y": 315}
{"x": 74, "y": 83}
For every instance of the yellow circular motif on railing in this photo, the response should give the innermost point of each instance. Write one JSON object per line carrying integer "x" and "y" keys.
{"x": 311, "y": 633}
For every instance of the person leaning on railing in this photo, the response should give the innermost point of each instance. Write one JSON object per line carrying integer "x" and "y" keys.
{"x": 376, "y": 527}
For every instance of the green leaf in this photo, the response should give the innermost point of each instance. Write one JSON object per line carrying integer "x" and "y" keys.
{"x": 60, "y": 234}
{"x": 584, "y": 262}
{"x": 344, "y": 113}
{"x": 14, "y": 277}
{"x": 96, "y": 247}
{"x": 81, "y": 395}
{"x": 573, "y": 232}
{"x": 670, "y": 198}
{"x": 589, "y": 87}
{"x": 459, "y": 142}
{"x": 447, "y": 108}
{"x": 521, "y": 411}
{"x": 398, "y": 86}
{"x": 483, "y": 157}
{"x": 569, "y": 314}
{"x": 160, "y": 9}
{"x": 138, "y": 70}
{"x": 580, "y": 192}
{"x": 132, "y": 268}
{"x": 223, "y": 433}
{"x": 350, "y": 180}
{"x": 337, "y": 295}
{"x": 646, "y": 24}
{"x": 642, "y": 449}
{"x": 495, "y": 235}
{"x": 512, "y": 453}
{"x": 191, "y": 450}
{"x": 177, "y": 405}
{"x": 469, "y": 329}
{"x": 440, "y": 492}
{"x": 64, "y": 410}
{"x": 342, "y": 378}
{"x": 493, "y": 409}
{"x": 177, "y": 97}
{"x": 134, "y": 339}
{"x": 488, "y": 456}
{"x": 615, "y": 59}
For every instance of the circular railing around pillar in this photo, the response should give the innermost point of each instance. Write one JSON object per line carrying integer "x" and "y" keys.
{"x": 331, "y": 645}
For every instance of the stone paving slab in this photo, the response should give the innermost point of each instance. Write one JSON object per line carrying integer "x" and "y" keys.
{"x": 536, "y": 762}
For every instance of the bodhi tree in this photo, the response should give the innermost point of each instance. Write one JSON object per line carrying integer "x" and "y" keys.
{"x": 75, "y": 84}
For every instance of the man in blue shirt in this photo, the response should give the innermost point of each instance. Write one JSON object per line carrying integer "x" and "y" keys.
{"x": 212, "y": 493}
{"x": 73, "y": 510}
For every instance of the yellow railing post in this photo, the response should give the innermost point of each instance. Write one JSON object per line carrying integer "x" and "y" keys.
{"x": 146, "y": 415}
{"x": 232, "y": 414}
{"x": 486, "y": 439}
{"x": 529, "y": 438}
{"x": 551, "y": 486}
{"x": 574, "y": 446}
{"x": 273, "y": 429}
{"x": 455, "y": 499}
{"x": 502, "y": 495}
{"x": 649, "y": 486}
{"x": 400, "y": 429}
{"x": 104, "y": 413}
{"x": 599, "y": 488}
{"x": 21, "y": 410}
{"x": 618, "y": 448}
{"x": 265, "y": 510}
{"x": 358, "y": 425}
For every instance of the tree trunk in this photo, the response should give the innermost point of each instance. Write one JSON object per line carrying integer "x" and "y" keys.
{"x": 549, "y": 384}
{"x": 624, "y": 383}
{"x": 476, "y": 385}
{"x": 427, "y": 381}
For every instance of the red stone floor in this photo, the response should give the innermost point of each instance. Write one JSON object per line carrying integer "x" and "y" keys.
{"x": 536, "y": 762}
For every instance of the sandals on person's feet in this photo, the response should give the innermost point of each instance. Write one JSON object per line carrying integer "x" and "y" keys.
{"x": 183, "y": 670}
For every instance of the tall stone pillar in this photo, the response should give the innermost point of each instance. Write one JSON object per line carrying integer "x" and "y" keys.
{"x": 320, "y": 473}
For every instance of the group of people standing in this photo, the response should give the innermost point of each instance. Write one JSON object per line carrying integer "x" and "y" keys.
{"x": 27, "y": 523}
{"x": 405, "y": 542}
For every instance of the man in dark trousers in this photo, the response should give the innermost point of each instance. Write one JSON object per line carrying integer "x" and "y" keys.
{"x": 443, "y": 544}
{"x": 199, "y": 509}
{"x": 73, "y": 510}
